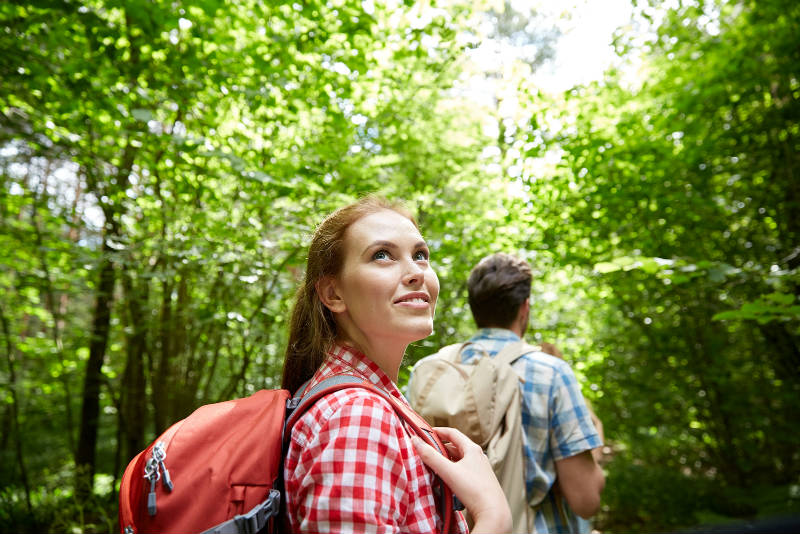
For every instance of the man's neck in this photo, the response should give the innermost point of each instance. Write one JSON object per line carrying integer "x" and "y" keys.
{"x": 513, "y": 329}
{"x": 517, "y": 329}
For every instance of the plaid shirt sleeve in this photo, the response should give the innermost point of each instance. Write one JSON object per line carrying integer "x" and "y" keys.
{"x": 572, "y": 430}
{"x": 351, "y": 467}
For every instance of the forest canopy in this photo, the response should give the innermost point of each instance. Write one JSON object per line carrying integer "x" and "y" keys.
{"x": 162, "y": 165}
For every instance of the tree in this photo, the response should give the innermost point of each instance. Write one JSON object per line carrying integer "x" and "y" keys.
{"x": 677, "y": 193}
{"x": 189, "y": 151}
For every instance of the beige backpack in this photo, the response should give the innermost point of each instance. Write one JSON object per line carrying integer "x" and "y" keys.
{"x": 482, "y": 400}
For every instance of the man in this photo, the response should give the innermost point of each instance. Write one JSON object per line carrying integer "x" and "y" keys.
{"x": 558, "y": 434}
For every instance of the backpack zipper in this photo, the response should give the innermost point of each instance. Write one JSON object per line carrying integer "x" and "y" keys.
{"x": 153, "y": 470}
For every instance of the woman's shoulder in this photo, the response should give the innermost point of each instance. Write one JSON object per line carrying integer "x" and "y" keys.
{"x": 348, "y": 407}
{"x": 355, "y": 397}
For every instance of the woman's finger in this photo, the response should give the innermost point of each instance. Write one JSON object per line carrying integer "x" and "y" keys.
{"x": 453, "y": 451}
{"x": 457, "y": 438}
{"x": 452, "y": 434}
{"x": 430, "y": 456}
{"x": 470, "y": 477}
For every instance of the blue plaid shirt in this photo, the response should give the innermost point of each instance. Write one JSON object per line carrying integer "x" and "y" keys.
{"x": 556, "y": 423}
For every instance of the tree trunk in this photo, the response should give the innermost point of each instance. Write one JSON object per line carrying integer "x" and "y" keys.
{"x": 133, "y": 413}
{"x": 90, "y": 410}
{"x": 12, "y": 378}
{"x": 162, "y": 369}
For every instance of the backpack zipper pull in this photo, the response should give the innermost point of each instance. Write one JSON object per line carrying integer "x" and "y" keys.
{"x": 152, "y": 475}
{"x": 159, "y": 455}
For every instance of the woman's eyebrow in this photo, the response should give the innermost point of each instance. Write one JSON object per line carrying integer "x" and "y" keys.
{"x": 379, "y": 243}
{"x": 390, "y": 244}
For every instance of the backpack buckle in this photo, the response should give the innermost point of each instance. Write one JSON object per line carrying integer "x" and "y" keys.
{"x": 255, "y": 520}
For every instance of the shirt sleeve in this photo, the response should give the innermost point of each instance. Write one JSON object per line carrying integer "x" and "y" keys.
{"x": 352, "y": 472}
{"x": 571, "y": 429}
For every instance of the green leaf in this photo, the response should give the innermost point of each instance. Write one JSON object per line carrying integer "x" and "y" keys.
{"x": 780, "y": 298}
{"x": 606, "y": 267}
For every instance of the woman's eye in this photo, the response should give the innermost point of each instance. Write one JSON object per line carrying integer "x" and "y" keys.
{"x": 380, "y": 255}
{"x": 420, "y": 255}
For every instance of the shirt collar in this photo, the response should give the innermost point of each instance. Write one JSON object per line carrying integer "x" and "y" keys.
{"x": 346, "y": 360}
{"x": 495, "y": 334}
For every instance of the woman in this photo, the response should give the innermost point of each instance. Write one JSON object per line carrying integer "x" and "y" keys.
{"x": 368, "y": 292}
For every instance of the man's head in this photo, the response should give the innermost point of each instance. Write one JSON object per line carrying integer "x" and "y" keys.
{"x": 498, "y": 286}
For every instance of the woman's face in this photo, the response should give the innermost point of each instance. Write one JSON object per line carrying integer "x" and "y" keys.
{"x": 386, "y": 286}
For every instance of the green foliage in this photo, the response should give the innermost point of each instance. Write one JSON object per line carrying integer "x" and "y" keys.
{"x": 185, "y": 151}
{"x": 653, "y": 498}
{"x": 645, "y": 498}
{"x": 56, "y": 510}
{"x": 773, "y": 306}
{"x": 679, "y": 194}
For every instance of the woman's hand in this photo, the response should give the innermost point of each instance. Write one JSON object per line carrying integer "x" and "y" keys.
{"x": 471, "y": 478}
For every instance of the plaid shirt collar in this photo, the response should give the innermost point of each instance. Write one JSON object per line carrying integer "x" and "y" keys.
{"x": 346, "y": 360}
{"x": 491, "y": 340}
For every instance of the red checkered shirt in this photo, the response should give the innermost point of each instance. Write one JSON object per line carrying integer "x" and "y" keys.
{"x": 351, "y": 466}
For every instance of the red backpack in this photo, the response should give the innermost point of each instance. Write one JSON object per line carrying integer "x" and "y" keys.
{"x": 220, "y": 470}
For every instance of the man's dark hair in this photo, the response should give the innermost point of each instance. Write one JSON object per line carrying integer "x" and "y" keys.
{"x": 497, "y": 286}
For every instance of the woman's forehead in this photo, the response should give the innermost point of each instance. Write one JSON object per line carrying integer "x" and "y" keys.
{"x": 382, "y": 225}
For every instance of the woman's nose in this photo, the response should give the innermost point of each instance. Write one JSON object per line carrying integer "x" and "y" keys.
{"x": 414, "y": 275}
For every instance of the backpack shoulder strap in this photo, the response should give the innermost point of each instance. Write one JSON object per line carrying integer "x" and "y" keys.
{"x": 303, "y": 400}
{"x": 451, "y": 353}
{"x": 513, "y": 351}
{"x": 421, "y": 428}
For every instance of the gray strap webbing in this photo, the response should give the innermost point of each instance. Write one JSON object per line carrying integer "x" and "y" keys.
{"x": 253, "y": 521}
{"x": 331, "y": 381}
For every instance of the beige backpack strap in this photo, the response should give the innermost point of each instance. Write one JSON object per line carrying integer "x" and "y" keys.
{"x": 513, "y": 351}
{"x": 452, "y": 353}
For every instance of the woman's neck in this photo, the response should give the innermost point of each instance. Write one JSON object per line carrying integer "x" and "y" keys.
{"x": 386, "y": 354}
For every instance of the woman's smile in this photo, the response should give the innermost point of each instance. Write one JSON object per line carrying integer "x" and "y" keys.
{"x": 416, "y": 300}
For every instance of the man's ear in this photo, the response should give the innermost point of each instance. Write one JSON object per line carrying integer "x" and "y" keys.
{"x": 329, "y": 295}
{"x": 523, "y": 315}
{"x": 524, "y": 309}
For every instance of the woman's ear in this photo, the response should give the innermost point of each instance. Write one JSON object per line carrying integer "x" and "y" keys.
{"x": 329, "y": 295}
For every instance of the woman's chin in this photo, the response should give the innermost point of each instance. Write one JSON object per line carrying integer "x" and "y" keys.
{"x": 420, "y": 332}
{"x": 408, "y": 333}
